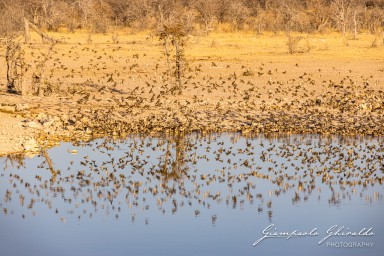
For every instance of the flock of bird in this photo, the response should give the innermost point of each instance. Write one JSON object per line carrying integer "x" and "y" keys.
{"x": 139, "y": 175}
{"x": 102, "y": 89}
{"x": 124, "y": 89}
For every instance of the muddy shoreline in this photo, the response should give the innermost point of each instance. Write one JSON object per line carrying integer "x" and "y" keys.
{"x": 346, "y": 113}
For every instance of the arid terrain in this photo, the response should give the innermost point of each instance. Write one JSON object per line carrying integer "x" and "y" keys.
{"x": 99, "y": 84}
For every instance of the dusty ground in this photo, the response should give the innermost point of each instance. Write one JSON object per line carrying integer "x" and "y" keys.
{"x": 234, "y": 82}
{"x": 13, "y": 135}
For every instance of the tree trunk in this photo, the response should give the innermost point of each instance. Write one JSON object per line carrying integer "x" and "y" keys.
{"x": 16, "y": 67}
{"x": 355, "y": 26}
{"x": 26, "y": 31}
{"x": 160, "y": 9}
{"x": 178, "y": 63}
{"x": 180, "y": 152}
{"x": 383, "y": 37}
{"x": 43, "y": 35}
{"x": 23, "y": 89}
{"x": 10, "y": 76}
{"x": 10, "y": 59}
{"x": 167, "y": 52}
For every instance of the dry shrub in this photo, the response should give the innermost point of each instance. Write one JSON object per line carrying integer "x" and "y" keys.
{"x": 115, "y": 38}
{"x": 374, "y": 42}
{"x": 100, "y": 25}
{"x": 292, "y": 43}
{"x": 309, "y": 46}
{"x": 214, "y": 43}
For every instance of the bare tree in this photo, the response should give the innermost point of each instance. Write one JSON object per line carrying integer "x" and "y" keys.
{"x": 33, "y": 11}
{"x": 11, "y": 21}
{"x": 54, "y": 13}
{"x": 99, "y": 15}
{"x": 174, "y": 27}
{"x": 319, "y": 13}
{"x": 290, "y": 11}
{"x": 207, "y": 11}
{"x": 138, "y": 13}
{"x": 175, "y": 34}
{"x": 237, "y": 14}
{"x": 342, "y": 11}
{"x": 358, "y": 16}
{"x": 11, "y": 30}
{"x": 85, "y": 8}
{"x": 44, "y": 36}
{"x": 167, "y": 11}
{"x": 16, "y": 66}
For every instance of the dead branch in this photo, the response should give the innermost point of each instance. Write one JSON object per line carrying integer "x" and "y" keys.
{"x": 43, "y": 35}
{"x": 49, "y": 161}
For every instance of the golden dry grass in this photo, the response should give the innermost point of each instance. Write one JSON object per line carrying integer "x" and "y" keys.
{"x": 315, "y": 51}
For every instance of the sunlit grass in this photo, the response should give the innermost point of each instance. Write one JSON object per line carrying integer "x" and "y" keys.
{"x": 242, "y": 47}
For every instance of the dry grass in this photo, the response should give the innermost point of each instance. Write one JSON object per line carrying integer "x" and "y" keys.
{"x": 93, "y": 58}
{"x": 246, "y": 46}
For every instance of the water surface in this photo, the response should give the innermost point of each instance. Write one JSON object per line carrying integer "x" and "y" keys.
{"x": 194, "y": 195}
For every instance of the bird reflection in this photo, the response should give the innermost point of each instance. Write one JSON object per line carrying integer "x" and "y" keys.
{"x": 122, "y": 177}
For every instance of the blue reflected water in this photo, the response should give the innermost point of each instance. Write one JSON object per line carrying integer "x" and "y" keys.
{"x": 194, "y": 195}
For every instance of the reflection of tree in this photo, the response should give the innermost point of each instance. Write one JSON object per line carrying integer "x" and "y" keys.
{"x": 15, "y": 161}
{"x": 174, "y": 168}
{"x": 49, "y": 162}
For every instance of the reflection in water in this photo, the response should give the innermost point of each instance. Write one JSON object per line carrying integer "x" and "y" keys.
{"x": 203, "y": 174}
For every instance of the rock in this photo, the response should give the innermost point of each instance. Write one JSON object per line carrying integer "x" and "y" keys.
{"x": 88, "y": 131}
{"x": 85, "y": 120}
{"x": 33, "y": 124}
{"x": 57, "y": 124}
{"x": 56, "y": 118}
{"x": 41, "y": 116}
{"x": 48, "y": 123}
{"x": 64, "y": 118}
{"x": 31, "y": 145}
{"x": 363, "y": 106}
{"x": 376, "y": 105}
{"x": 22, "y": 106}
